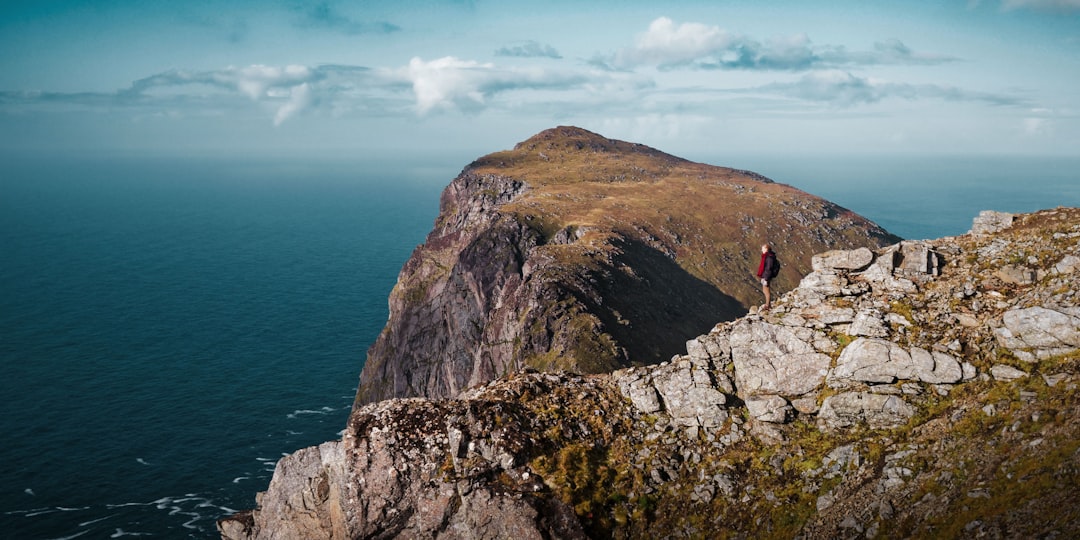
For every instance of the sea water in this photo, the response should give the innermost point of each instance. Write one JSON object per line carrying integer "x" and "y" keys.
{"x": 170, "y": 328}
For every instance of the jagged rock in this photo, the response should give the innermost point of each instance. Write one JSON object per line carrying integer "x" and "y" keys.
{"x": 773, "y": 359}
{"x": 873, "y": 360}
{"x": 304, "y": 499}
{"x": 989, "y": 221}
{"x": 638, "y": 387}
{"x": 1038, "y": 332}
{"x": 501, "y": 459}
{"x": 773, "y": 409}
{"x": 880, "y": 275}
{"x": 854, "y": 408}
{"x": 855, "y": 259}
{"x": 690, "y": 395}
{"x": 823, "y": 283}
{"x": 920, "y": 258}
{"x": 576, "y": 261}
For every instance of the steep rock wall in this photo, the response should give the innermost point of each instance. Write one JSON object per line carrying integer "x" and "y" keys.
{"x": 577, "y": 252}
{"x": 913, "y": 391}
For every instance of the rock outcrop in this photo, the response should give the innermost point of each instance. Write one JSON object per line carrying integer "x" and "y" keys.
{"x": 577, "y": 252}
{"x": 908, "y": 391}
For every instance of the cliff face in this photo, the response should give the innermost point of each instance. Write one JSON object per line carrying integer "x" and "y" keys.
{"x": 577, "y": 252}
{"x": 927, "y": 389}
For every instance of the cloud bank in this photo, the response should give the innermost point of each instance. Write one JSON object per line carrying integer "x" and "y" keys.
{"x": 668, "y": 45}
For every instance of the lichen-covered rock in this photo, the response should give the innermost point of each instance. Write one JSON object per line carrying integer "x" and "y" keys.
{"x": 585, "y": 259}
{"x": 990, "y": 221}
{"x": 873, "y": 361}
{"x": 304, "y": 499}
{"x": 855, "y": 259}
{"x": 862, "y": 408}
{"x": 774, "y": 359}
{"x": 758, "y": 417}
{"x": 1039, "y": 332}
{"x": 774, "y": 409}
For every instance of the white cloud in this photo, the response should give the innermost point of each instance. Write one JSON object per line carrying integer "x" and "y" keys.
{"x": 447, "y": 81}
{"x": 452, "y": 83}
{"x": 838, "y": 87}
{"x": 667, "y": 45}
{"x": 300, "y": 98}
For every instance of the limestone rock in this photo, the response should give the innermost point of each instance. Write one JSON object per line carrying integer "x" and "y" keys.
{"x": 936, "y": 367}
{"x": 854, "y": 408}
{"x": 874, "y": 361}
{"x": 1003, "y": 372}
{"x": 774, "y": 409}
{"x": 855, "y": 259}
{"x": 772, "y": 359}
{"x": 1017, "y": 275}
{"x": 1038, "y": 332}
{"x": 989, "y": 221}
{"x": 869, "y": 323}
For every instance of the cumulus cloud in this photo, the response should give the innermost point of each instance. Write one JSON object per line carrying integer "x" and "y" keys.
{"x": 451, "y": 83}
{"x": 841, "y": 88}
{"x": 669, "y": 45}
{"x": 529, "y": 49}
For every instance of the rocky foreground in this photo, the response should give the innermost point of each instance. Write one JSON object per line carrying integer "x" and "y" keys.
{"x": 928, "y": 389}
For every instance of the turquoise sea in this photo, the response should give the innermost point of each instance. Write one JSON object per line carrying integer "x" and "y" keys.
{"x": 170, "y": 328}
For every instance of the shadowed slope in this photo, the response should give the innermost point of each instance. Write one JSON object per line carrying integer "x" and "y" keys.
{"x": 579, "y": 252}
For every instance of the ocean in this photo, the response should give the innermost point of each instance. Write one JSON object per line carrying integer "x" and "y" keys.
{"x": 170, "y": 328}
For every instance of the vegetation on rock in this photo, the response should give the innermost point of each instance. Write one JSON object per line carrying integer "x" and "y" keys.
{"x": 573, "y": 251}
{"x": 979, "y": 435}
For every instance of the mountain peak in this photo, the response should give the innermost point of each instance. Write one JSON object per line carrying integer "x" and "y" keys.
{"x": 575, "y": 251}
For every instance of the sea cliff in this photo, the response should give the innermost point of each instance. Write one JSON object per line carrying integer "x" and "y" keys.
{"x": 921, "y": 389}
{"x": 577, "y": 252}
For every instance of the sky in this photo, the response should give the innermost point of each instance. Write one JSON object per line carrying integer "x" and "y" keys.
{"x": 411, "y": 78}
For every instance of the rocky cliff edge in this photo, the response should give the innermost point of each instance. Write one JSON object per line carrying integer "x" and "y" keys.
{"x": 577, "y": 252}
{"x": 928, "y": 389}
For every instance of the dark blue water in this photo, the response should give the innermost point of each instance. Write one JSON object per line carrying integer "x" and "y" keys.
{"x": 169, "y": 329}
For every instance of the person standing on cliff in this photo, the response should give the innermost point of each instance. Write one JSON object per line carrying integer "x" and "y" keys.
{"x": 767, "y": 270}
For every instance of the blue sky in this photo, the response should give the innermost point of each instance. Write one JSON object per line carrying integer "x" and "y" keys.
{"x": 333, "y": 79}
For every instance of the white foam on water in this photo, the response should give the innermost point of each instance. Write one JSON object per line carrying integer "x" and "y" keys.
{"x": 141, "y": 461}
{"x": 239, "y": 478}
{"x": 299, "y": 412}
{"x": 121, "y": 532}
{"x": 93, "y": 521}
{"x": 29, "y": 492}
